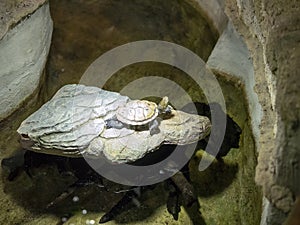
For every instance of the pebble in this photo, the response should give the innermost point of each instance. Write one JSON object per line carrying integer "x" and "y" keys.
{"x": 64, "y": 219}
{"x": 90, "y": 222}
{"x": 75, "y": 199}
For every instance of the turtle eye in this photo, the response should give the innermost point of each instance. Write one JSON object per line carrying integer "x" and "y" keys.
{"x": 24, "y": 136}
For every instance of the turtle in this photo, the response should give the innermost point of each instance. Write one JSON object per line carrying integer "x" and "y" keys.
{"x": 140, "y": 115}
{"x": 84, "y": 121}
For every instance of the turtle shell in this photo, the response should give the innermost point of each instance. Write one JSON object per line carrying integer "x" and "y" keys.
{"x": 137, "y": 112}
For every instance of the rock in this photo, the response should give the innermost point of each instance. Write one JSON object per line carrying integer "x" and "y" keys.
{"x": 24, "y": 50}
{"x": 273, "y": 47}
{"x": 214, "y": 10}
{"x": 72, "y": 118}
{"x": 184, "y": 128}
{"x": 231, "y": 57}
{"x": 73, "y": 124}
{"x": 181, "y": 129}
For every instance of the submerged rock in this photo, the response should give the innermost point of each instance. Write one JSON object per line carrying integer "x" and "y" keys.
{"x": 73, "y": 124}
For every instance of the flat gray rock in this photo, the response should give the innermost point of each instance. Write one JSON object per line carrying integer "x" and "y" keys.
{"x": 73, "y": 124}
{"x": 72, "y": 118}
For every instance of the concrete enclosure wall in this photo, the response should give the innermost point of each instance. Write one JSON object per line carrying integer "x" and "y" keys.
{"x": 258, "y": 47}
{"x": 24, "y": 50}
{"x": 270, "y": 30}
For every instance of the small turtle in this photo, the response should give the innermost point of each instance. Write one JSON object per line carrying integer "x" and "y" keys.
{"x": 140, "y": 115}
{"x": 76, "y": 122}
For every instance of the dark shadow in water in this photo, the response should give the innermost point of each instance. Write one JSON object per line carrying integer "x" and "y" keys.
{"x": 218, "y": 176}
{"x": 232, "y": 132}
{"x": 45, "y": 177}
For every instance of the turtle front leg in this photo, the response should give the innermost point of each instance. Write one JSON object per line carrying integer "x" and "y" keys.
{"x": 173, "y": 204}
{"x": 114, "y": 123}
{"x": 186, "y": 189}
{"x": 178, "y": 184}
{"x": 153, "y": 127}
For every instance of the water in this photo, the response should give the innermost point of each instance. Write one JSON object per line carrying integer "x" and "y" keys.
{"x": 83, "y": 30}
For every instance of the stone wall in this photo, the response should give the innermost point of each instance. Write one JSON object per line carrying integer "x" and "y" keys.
{"x": 271, "y": 30}
{"x": 214, "y": 10}
{"x": 25, "y": 37}
{"x": 265, "y": 34}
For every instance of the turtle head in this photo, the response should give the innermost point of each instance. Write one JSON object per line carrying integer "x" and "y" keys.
{"x": 164, "y": 107}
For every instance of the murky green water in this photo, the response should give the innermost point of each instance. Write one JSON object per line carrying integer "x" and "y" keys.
{"x": 85, "y": 29}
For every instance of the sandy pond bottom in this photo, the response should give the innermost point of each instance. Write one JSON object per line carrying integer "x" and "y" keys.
{"x": 83, "y": 30}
